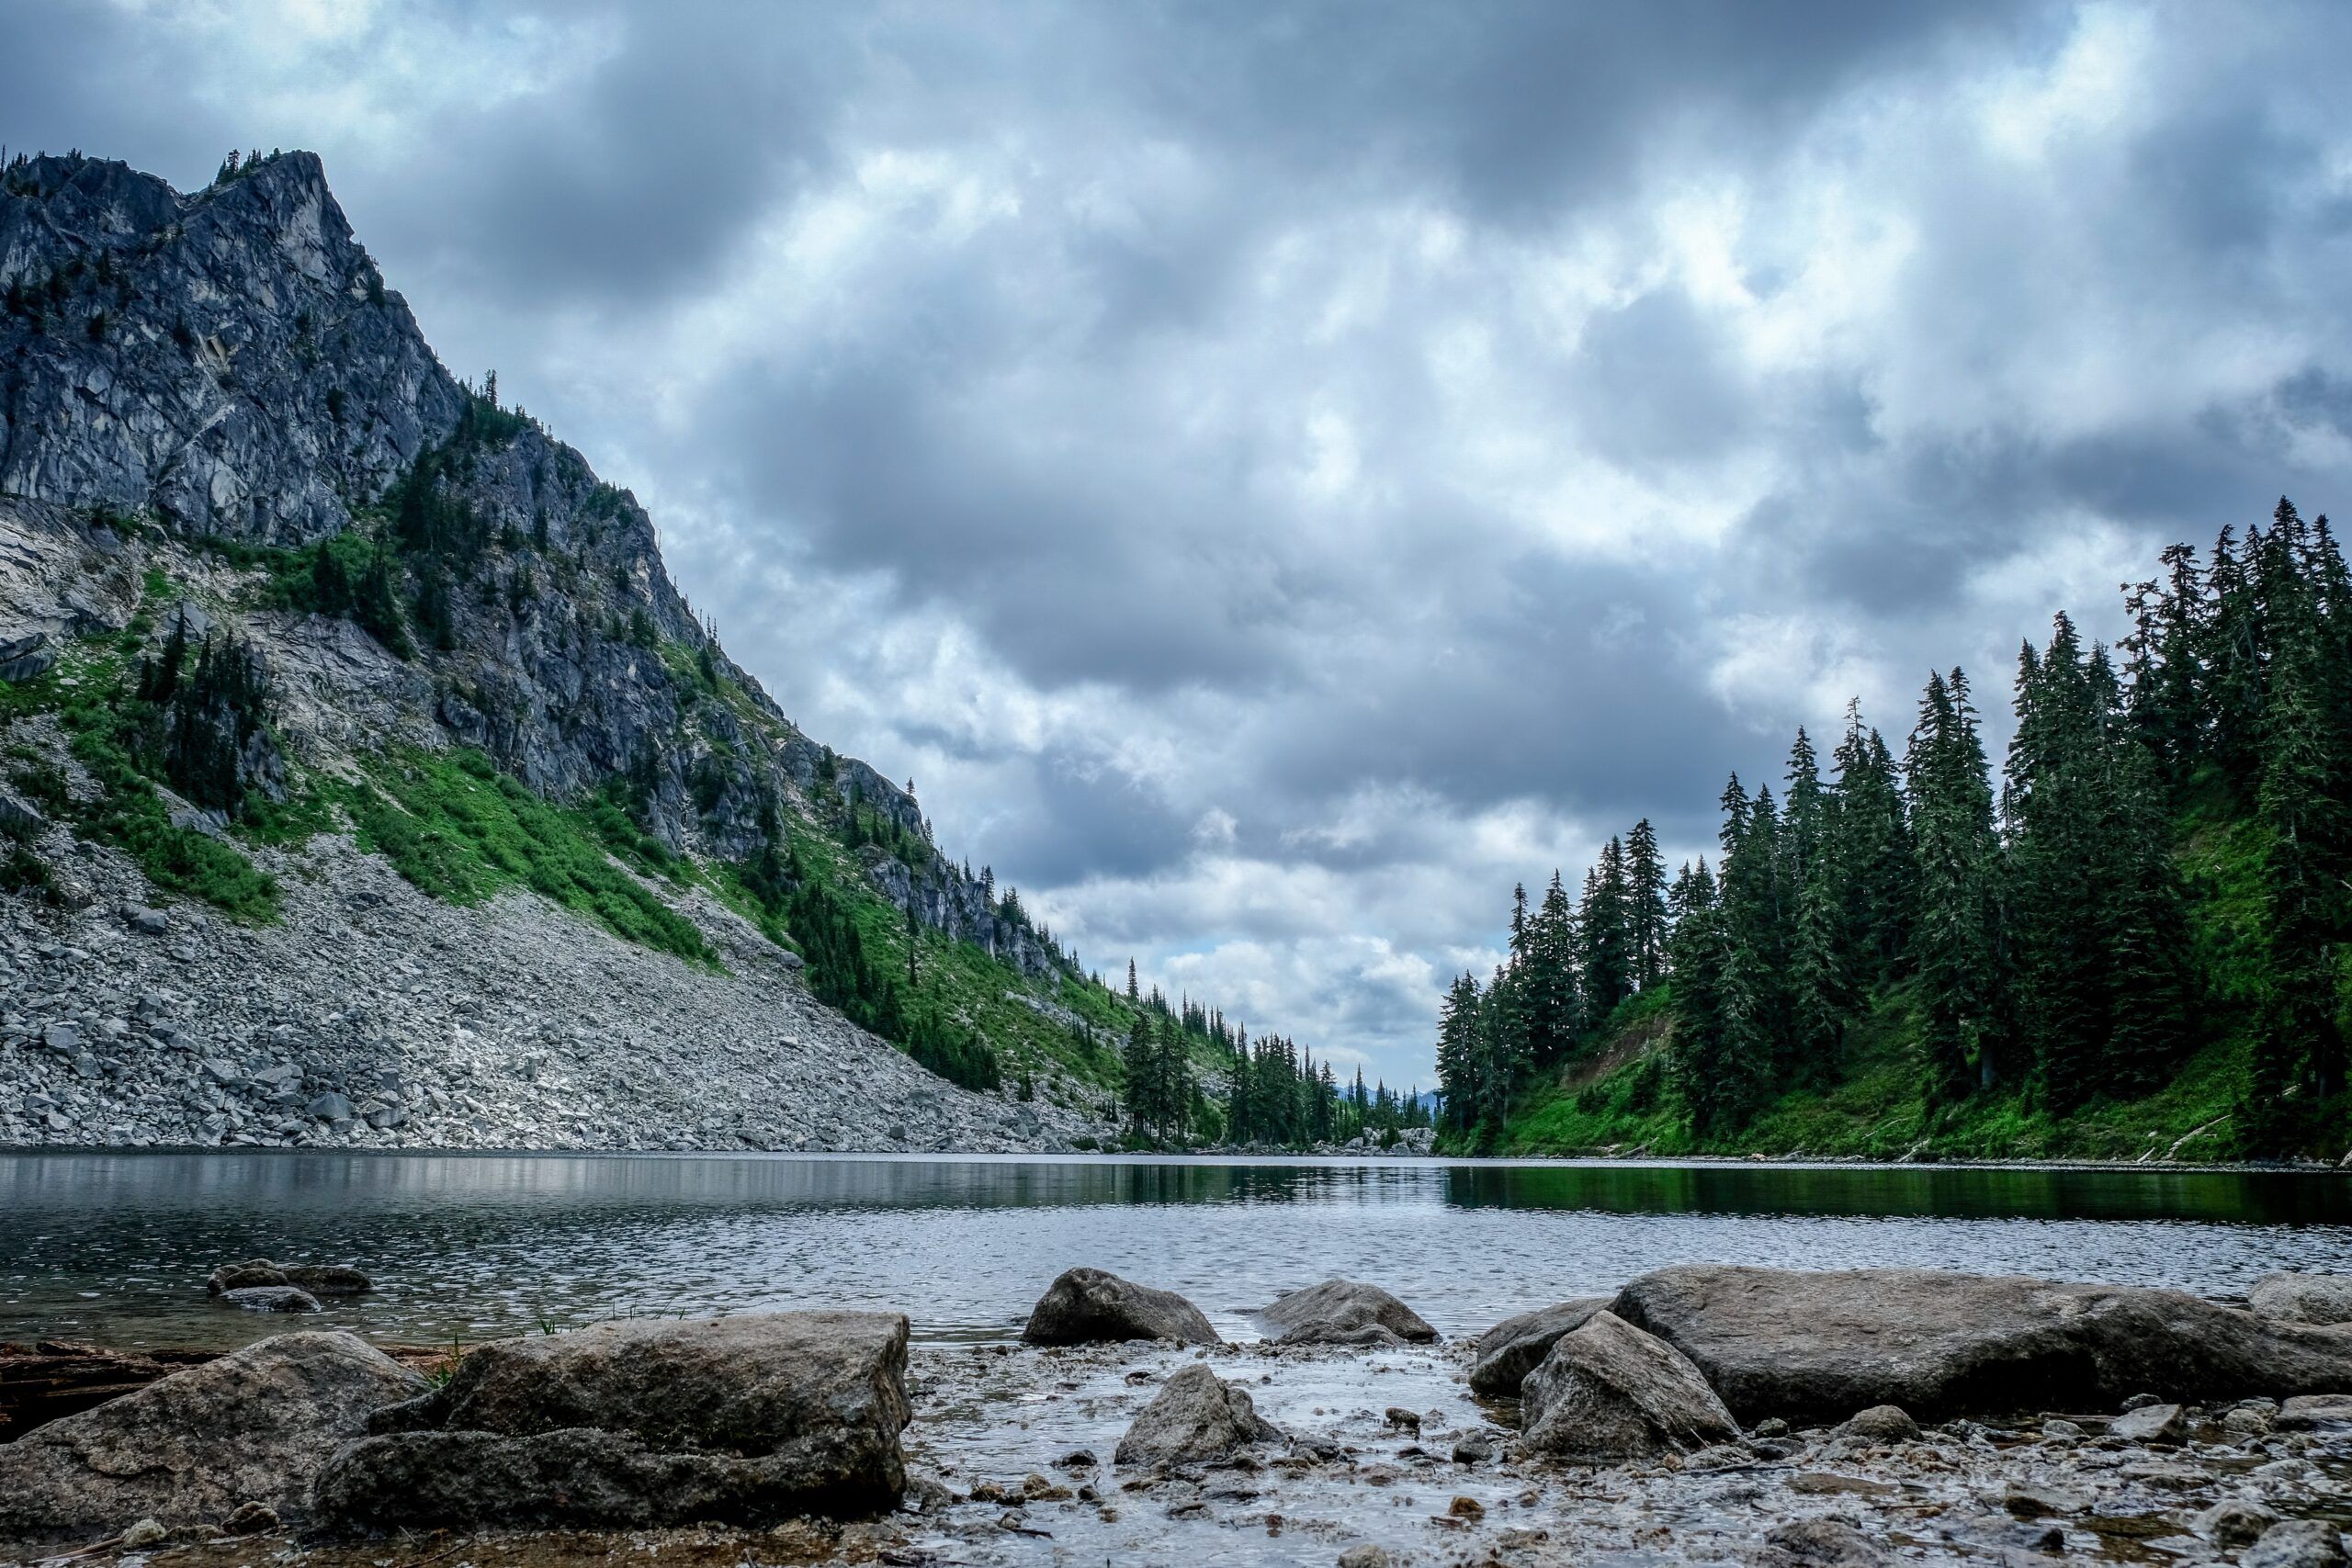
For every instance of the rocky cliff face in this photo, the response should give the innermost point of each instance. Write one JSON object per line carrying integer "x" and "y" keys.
{"x": 197, "y": 384}
{"x": 231, "y": 364}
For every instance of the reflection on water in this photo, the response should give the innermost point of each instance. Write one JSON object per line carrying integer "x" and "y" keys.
{"x": 116, "y": 1246}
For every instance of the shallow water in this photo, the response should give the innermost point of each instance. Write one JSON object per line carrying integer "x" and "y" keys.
{"x": 115, "y": 1247}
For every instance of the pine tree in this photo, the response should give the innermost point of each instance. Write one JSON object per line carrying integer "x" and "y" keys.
{"x": 1645, "y": 910}
{"x": 1954, "y": 849}
{"x": 2305, "y": 776}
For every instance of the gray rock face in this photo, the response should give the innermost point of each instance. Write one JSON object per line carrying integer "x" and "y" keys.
{"x": 1344, "y": 1312}
{"x": 251, "y": 372}
{"x": 1087, "y": 1305}
{"x": 194, "y": 1446}
{"x": 1822, "y": 1346}
{"x": 1517, "y": 1346}
{"x": 2304, "y": 1298}
{"x": 1196, "y": 1419}
{"x": 227, "y": 363}
{"x": 1609, "y": 1394}
{"x": 744, "y": 1419}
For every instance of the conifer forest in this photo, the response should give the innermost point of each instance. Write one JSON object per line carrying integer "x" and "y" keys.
{"x": 2129, "y": 938}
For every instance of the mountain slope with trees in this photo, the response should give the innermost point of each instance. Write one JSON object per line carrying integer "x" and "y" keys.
{"x": 274, "y": 582}
{"x": 2131, "y": 943}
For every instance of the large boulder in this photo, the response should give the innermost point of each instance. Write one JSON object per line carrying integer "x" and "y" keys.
{"x": 1609, "y": 1394}
{"x": 1342, "y": 1312}
{"x": 1506, "y": 1353}
{"x": 1087, "y": 1306}
{"x": 1196, "y": 1419}
{"x": 746, "y": 1420}
{"x": 1823, "y": 1345}
{"x": 192, "y": 1448}
{"x": 2304, "y": 1298}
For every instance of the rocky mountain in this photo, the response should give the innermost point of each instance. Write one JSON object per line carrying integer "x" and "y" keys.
{"x": 370, "y": 779}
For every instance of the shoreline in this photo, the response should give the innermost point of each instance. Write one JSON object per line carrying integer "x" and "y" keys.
{"x": 1206, "y": 1157}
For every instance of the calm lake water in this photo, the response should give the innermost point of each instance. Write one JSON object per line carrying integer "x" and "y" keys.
{"x": 115, "y": 1247}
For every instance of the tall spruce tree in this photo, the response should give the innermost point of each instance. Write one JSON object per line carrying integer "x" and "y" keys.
{"x": 1955, "y": 936}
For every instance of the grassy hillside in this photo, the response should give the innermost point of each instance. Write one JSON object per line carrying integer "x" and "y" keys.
{"x": 459, "y": 830}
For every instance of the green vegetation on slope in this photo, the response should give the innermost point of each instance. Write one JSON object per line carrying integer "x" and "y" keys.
{"x": 461, "y": 830}
{"x": 2138, "y": 945}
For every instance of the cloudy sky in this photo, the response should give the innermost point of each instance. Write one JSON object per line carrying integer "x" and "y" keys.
{"x": 1273, "y": 475}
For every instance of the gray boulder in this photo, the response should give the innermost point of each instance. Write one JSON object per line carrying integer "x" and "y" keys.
{"x": 1881, "y": 1424}
{"x": 1195, "y": 1419}
{"x": 2304, "y": 1298}
{"x": 746, "y": 1420}
{"x": 1087, "y": 1306}
{"x": 2297, "y": 1543}
{"x": 2235, "y": 1521}
{"x": 2309, "y": 1412}
{"x": 1517, "y": 1346}
{"x": 1609, "y": 1394}
{"x": 272, "y": 1297}
{"x": 2150, "y": 1423}
{"x": 192, "y": 1448}
{"x": 1822, "y": 1346}
{"x": 1343, "y": 1312}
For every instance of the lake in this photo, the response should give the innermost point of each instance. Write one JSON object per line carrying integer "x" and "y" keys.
{"x": 115, "y": 1246}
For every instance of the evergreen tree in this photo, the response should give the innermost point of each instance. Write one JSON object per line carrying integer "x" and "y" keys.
{"x": 1954, "y": 849}
{"x": 1645, "y": 910}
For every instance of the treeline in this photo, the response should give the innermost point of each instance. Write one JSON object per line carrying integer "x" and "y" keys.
{"x": 1571, "y": 967}
{"x": 1275, "y": 1092}
{"x": 2041, "y": 919}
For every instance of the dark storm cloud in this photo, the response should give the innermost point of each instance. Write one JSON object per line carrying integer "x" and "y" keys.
{"x": 1278, "y": 473}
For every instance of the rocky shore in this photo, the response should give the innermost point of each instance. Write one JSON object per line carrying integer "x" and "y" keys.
{"x": 1701, "y": 1415}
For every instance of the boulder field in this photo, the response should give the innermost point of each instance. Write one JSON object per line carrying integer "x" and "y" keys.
{"x": 759, "y": 1420}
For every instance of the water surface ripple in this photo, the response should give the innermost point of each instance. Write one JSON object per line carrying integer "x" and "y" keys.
{"x": 115, "y": 1246}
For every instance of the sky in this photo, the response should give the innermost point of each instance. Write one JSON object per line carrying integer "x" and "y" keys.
{"x": 1275, "y": 475}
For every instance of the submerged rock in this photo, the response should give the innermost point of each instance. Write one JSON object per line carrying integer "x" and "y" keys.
{"x": 318, "y": 1279}
{"x": 1822, "y": 1346}
{"x": 271, "y": 1298}
{"x": 1087, "y": 1305}
{"x": 744, "y": 1419}
{"x": 1517, "y": 1346}
{"x": 1344, "y": 1312}
{"x": 1609, "y": 1394}
{"x": 1820, "y": 1543}
{"x": 1195, "y": 1419}
{"x": 195, "y": 1447}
